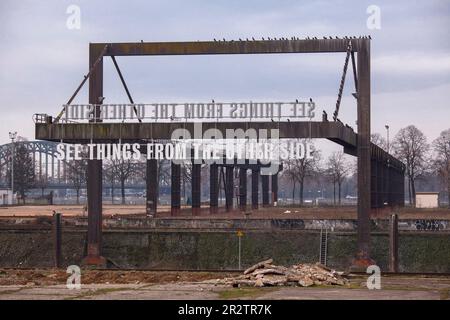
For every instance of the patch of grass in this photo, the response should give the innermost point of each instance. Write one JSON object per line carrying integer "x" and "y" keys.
{"x": 245, "y": 292}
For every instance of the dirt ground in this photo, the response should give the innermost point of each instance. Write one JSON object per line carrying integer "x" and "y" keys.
{"x": 272, "y": 212}
{"x": 106, "y": 284}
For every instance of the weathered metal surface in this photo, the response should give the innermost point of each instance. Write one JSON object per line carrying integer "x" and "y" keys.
{"x": 255, "y": 186}
{"x": 229, "y": 47}
{"x": 393, "y": 243}
{"x": 275, "y": 188}
{"x": 229, "y": 187}
{"x": 196, "y": 188}
{"x": 243, "y": 189}
{"x": 213, "y": 188}
{"x": 175, "y": 189}
{"x": 94, "y": 171}
{"x": 363, "y": 151}
{"x": 387, "y": 179}
{"x": 152, "y": 187}
{"x": 136, "y": 132}
{"x": 265, "y": 190}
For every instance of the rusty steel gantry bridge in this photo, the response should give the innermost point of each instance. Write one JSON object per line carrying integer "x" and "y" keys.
{"x": 380, "y": 175}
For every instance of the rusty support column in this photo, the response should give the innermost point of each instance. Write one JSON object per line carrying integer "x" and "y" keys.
{"x": 255, "y": 184}
{"x": 363, "y": 152}
{"x": 94, "y": 171}
{"x": 152, "y": 187}
{"x": 243, "y": 188}
{"x": 196, "y": 188}
{"x": 393, "y": 243}
{"x": 213, "y": 188}
{"x": 229, "y": 187}
{"x": 275, "y": 189}
{"x": 57, "y": 238}
{"x": 175, "y": 189}
{"x": 265, "y": 190}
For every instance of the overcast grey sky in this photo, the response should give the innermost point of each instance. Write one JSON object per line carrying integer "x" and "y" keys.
{"x": 42, "y": 61}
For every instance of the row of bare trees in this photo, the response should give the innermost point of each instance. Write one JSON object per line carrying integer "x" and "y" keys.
{"x": 337, "y": 168}
{"x": 422, "y": 158}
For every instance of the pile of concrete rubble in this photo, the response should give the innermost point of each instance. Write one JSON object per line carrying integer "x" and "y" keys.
{"x": 265, "y": 273}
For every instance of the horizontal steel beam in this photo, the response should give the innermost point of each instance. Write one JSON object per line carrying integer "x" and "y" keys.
{"x": 137, "y": 132}
{"x": 229, "y": 47}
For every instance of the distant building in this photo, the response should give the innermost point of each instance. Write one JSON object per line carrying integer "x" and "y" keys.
{"x": 5, "y": 196}
{"x": 427, "y": 199}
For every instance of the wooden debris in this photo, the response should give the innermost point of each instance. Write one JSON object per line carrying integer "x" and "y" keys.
{"x": 258, "y": 265}
{"x": 264, "y": 273}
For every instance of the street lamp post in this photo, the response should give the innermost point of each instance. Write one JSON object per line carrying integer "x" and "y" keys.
{"x": 12, "y": 136}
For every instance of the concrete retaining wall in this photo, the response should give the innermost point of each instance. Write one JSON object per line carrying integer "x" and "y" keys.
{"x": 419, "y": 251}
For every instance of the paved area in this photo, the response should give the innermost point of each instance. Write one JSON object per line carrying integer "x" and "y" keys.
{"x": 392, "y": 288}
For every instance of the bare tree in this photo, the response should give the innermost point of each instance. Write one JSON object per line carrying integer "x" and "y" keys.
{"x": 41, "y": 182}
{"x": 77, "y": 174}
{"x": 24, "y": 177}
{"x": 110, "y": 174}
{"x": 411, "y": 147}
{"x": 441, "y": 160}
{"x": 297, "y": 170}
{"x": 123, "y": 169}
{"x": 379, "y": 140}
{"x": 337, "y": 170}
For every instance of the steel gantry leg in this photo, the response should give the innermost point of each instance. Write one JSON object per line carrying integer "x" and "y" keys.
{"x": 94, "y": 172}
{"x": 196, "y": 188}
{"x": 363, "y": 152}
{"x": 213, "y": 188}
{"x": 152, "y": 187}
{"x": 275, "y": 189}
{"x": 229, "y": 187}
{"x": 255, "y": 183}
{"x": 243, "y": 189}
{"x": 265, "y": 190}
{"x": 175, "y": 189}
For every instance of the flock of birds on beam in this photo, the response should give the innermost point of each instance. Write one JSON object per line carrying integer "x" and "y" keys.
{"x": 296, "y": 38}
